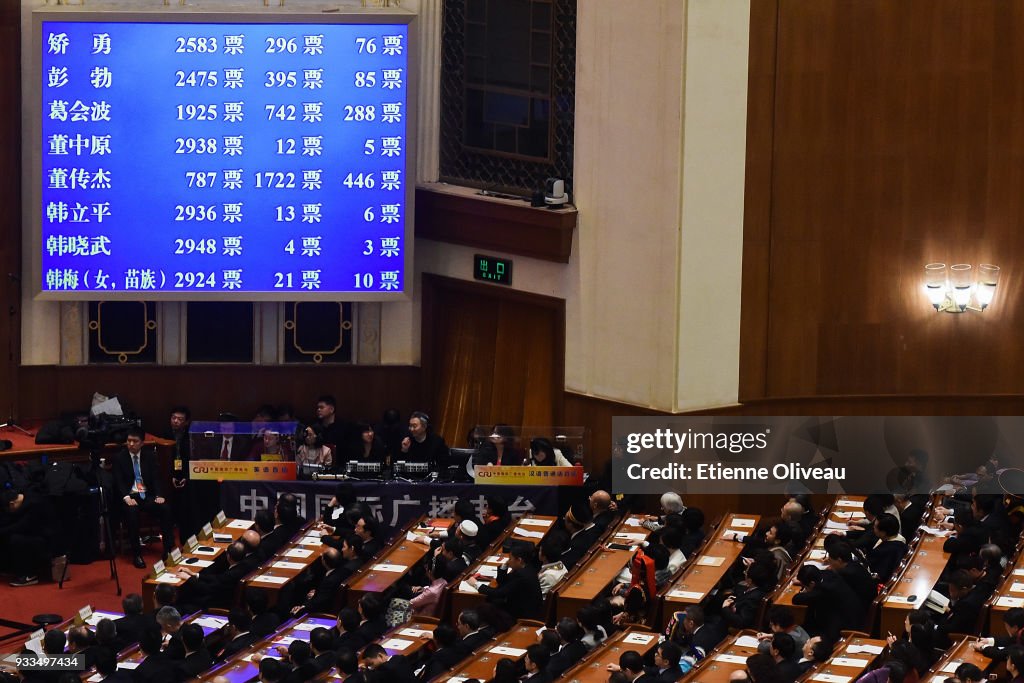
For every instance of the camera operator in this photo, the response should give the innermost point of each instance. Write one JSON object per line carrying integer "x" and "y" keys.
{"x": 138, "y": 484}
{"x": 26, "y": 534}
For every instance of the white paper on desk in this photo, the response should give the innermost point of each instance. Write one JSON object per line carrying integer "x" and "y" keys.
{"x": 488, "y": 570}
{"x": 200, "y": 563}
{"x": 1017, "y": 587}
{"x": 284, "y": 564}
{"x": 310, "y": 540}
{"x": 457, "y": 679}
{"x": 520, "y": 531}
{"x": 1007, "y": 601}
{"x": 1018, "y": 572}
{"x": 386, "y": 567}
{"x": 304, "y": 626}
{"x": 510, "y": 651}
{"x": 255, "y": 654}
{"x": 741, "y": 523}
{"x": 733, "y": 535}
{"x": 199, "y": 551}
{"x": 864, "y": 649}
{"x": 285, "y": 640}
{"x": 263, "y": 578}
{"x": 528, "y": 521}
{"x": 128, "y": 665}
{"x": 95, "y": 678}
{"x": 167, "y": 578}
{"x": 632, "y": 537}
{"x": 240, "y": 523}
{"x": 638, "y": 638}
{"x": 686, "y": 595}
{"x": 301, "y": 553}
{"x": 731, "y": 659}
{"x": 852, "y": 514}
{"x": 496, "y": 559}
{"x": 899, "y": 600}
{"x": 829, "y": 524}
{"x": 415, "y": 538}
{"x": 710, "y": 561}
{"x": 847, "y": 661}
{"x": 96, "y": 617}
{"x": 210, "y": 622}
{"x": 951, "y": 667}
{"x": 633, "y": 521}
{"x": 831, "y": 678}
{"x": 933, "y": 531}
{"x": 466, "y": 588}
{"x": 816, "y": 554}
{"x": 414, "y": 633}
{"x": 846, "y": 503}
{"x": 747, "y": 641}
{"x": 396, "y": 644}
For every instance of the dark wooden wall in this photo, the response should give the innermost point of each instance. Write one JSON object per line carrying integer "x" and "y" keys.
{"x": 883, "y": 135}
{"x": 10, "y": 205}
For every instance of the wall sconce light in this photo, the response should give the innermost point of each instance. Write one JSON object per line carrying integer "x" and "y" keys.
{"x": 959, "y": 287}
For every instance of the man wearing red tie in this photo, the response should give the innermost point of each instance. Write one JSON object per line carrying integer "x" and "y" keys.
{"x": 138, "y": 483}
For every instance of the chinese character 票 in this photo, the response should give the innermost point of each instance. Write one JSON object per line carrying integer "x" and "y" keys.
{"x": 232, "y": 279}
{"x": 391, "y": 112}
{"x": 311, "y": 279}
{"x": 311, "y": 246}
{"x": 312, "y": 112}
{"x": 233, "y": 112}
{"x": 389, "y": 180}
{"x": 312, "y": 180}
{"x": 312, "y": 145}
{"x": 311, "y": 213}
{"x": 234, "y": 78}
{"x": 232, "y": 179}
{"x": 313, "y": 79}
{"x": 389, "y": 213}
{"x": 234, "y": 45}
{"x": 389, "y": 246}
{"x": 233, "y": 245}
{"x": 392, "y": 45}
{"x": 389, "y": 280}
{"x": 313, "y": 45}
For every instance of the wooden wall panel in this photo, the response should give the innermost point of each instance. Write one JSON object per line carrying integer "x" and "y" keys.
{"x": 10, "y": 205}
{"x": 896, "y": 140}
{"x": 362, "y": 392}
{"x": 491, "y": 355}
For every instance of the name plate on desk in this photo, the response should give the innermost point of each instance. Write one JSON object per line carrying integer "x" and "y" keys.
{"x": 686, "y": 595}
{"x": 176, "y": 556}
{"x": 220, "y": 518}
{"x": 191, "y": 543}
{"x": 847, "y": 661}
{"x": 158, "y": 568}
{"x": 509, "y": 475}
{"x": 241, "y": 470}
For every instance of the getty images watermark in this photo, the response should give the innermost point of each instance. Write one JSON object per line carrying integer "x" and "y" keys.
{"x": 900, "y": 455}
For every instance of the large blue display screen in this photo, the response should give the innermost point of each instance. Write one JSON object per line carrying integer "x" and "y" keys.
{"x": 224, "y": 159}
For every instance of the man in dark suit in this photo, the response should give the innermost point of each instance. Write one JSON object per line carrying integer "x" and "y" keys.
{"x": 218, "y": 588}
{"x": 106, "y": 666}
{"x": 831, "y": 603}
{"x": 321, "y": 598}
{"x": 783, "y": 650}
{"x": 197, "y": 659}
{"x": 518, "y": 590}
{"x": 264, "y": 621}
{"x": 740, "y": 610}
{"x": 632, "y": 665}
{"x": 572, "y": 649}
{"x": 989, "y": 513}
{"x": 964, "y": 608}
{"x": 583, "y": 532}
{"x": 395, "y": 669}
{"x": 285, "y": 521}
{"x": 601, "y": 507}
{"x": 368, "y": 530}
{"x": 373, "y": 625}
{"x": 137, "y": 477}
{"x": 157, "y": 666}
{"x": 536, "y": 662}
{"x": 321, "y": 640}
{"x": 666, "y": 663}
{"x": 237, "y": 635}
{"x": 471, "y": 631}
{"x": 129, "y": 627}
{"x": 694, "y": 632}
{"x": 446, "y": 655}
{"x": 841, "y": 560}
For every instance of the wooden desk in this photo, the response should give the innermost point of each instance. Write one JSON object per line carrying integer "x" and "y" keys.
{"x": 961, "y": 653}
{"x": 582, "y": 585}
{"x": 231, "y": 527}
{"x": 291, "y": 560}
{"x": 402, "y": 552}
{"x": 1004, "y": 598}
{"x": 462, "y": 599}
{"x": 594, "y": 667}
{"x": 850, "y": 659}
{"x": 241, "y": 668}
{"x": 481, "y": 664}
{"x": 919, "y": 575}
{"x": 843, "y": 510}
{"x": 697, "y": 580}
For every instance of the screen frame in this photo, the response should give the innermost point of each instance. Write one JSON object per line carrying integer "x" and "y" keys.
{"x": 32, "y": 162}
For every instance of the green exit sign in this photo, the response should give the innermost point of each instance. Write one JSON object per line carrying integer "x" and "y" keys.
{"x": 492, "y": 269}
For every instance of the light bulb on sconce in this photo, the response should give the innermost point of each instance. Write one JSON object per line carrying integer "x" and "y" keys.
{"x": 960, "y": 287}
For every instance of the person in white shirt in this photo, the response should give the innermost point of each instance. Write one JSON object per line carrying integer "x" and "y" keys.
{"x": 551, "y": 569}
